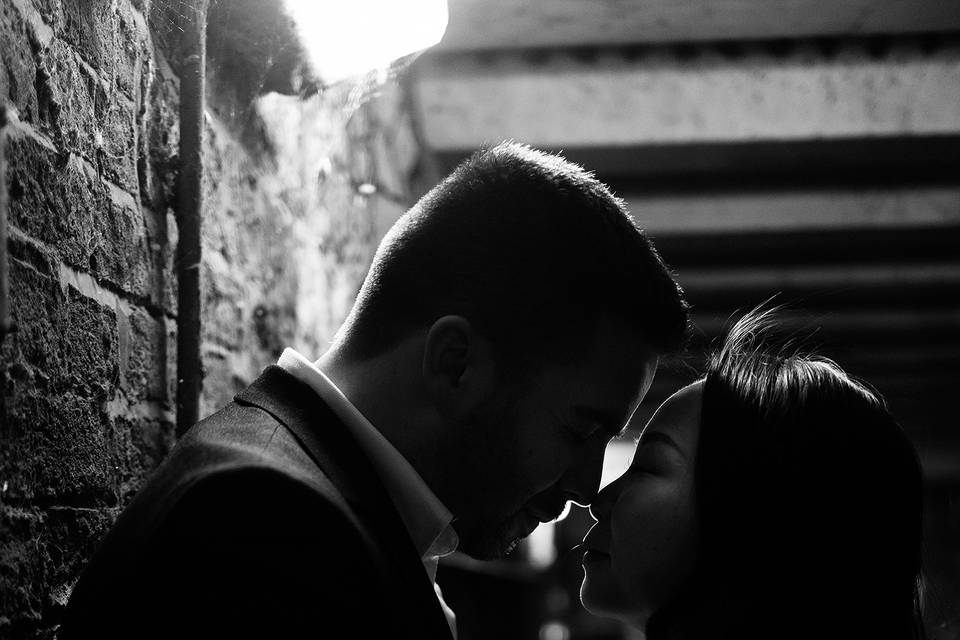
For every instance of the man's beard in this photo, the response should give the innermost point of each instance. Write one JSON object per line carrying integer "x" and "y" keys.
{"x": 489, "y": 542}
{"x": 482, "y": 537}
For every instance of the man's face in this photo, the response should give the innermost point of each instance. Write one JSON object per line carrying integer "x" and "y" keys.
{"x": 532, "y": 448}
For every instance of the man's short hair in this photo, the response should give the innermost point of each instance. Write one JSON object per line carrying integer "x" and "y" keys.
{"x": 532, "y": 249}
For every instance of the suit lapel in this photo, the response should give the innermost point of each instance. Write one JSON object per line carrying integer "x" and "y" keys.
{"x": 331, "y": 446}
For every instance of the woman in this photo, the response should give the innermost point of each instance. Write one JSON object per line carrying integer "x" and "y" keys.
{"x": 774, "y": 498}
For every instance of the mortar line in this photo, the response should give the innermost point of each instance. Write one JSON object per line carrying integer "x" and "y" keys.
{"x": 87, "y": 284}
{"x": 26, "y": 130}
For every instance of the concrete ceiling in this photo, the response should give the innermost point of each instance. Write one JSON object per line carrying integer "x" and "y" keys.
{"x": 804, "y": 148}
{"x": 507, "y": 24}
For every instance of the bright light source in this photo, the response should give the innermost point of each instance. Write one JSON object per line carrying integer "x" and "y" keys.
{"x": 540, "y": 549}
{"x": 346, "y": 38}
{"x": 554, "y": 630}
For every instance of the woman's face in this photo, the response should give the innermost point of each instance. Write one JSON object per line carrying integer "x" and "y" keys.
{"x": 642, "y": 548}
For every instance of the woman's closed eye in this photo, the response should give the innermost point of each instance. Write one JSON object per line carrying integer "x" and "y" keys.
{"x": 653, "y": 460}
{"x": 647, "y": 469}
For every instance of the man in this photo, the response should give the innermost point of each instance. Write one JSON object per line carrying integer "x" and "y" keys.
{"x": 509, "y": 325}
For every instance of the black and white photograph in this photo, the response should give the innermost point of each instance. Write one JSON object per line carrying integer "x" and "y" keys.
{"x": 480, "y": 319}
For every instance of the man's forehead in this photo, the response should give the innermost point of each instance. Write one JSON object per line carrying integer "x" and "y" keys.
{"x": 620, "y": 372}
{"x": 650, "y": 365}
{"x": 608, "y": 399}
{"x": 600, "y": 415}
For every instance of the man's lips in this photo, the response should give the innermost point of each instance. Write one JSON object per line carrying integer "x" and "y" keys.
{"x": 545, "y": 515}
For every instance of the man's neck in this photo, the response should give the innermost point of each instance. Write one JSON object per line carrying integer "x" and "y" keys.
{"x": 385, "y": 390}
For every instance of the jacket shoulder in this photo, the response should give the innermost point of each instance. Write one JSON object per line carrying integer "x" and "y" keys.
{"x": 237, "y": 437}
{"x": 251, "y": 501}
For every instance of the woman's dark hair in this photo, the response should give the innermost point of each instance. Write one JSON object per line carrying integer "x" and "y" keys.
{"x": 809, "y": 499}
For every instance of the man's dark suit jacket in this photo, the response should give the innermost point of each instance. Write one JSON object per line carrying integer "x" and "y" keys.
{"x": 266, "y": 520}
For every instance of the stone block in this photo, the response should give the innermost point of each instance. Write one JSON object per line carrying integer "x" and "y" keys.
{"x": 82, "y": 114}
{"x": 17, "y": 67}
{"x": 93, "y": 226}
{"x": 62, "y": 334}
{"x": 161, "y": 234}
{"x": 58, "y": 371}
{"x": 143, "y": 357}
{"x": 60, "y": 451}
{"x": 142, "y": 437}
{"x": 41, "y": 554}
{"x": 108, "y": 36}
{"x": 169, "y": 286}
{"x": 160, "y": 137}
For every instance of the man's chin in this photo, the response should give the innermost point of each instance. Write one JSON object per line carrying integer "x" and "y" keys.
{"x": 491, "y": 544}
{"x": 488, "y": 549}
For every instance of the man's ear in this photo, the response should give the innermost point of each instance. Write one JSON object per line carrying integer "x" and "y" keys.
{"x": 458, "y": 368}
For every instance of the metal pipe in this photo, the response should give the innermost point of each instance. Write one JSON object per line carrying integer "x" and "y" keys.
{"x": 189, "y": 207}
{"x": 7, "y": 115}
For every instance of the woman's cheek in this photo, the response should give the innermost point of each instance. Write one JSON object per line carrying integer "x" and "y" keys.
{"x": 650, "y": 528}
{"x": 634, "y": 528}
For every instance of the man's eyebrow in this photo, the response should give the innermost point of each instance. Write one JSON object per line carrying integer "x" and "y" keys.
{"x": 654, "y": 437}
{"x": 609, "y": 421}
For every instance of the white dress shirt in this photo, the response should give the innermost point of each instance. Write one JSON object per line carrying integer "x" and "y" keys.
{"x": 426, "y": 518}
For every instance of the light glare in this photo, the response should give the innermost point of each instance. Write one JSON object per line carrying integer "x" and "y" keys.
{"x": 541, "y": 551}
{"x": 616, "y": 460}
{"x": 347, "y": 38}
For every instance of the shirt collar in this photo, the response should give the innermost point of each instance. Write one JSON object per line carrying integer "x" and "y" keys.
{"x": 427, "y": 519}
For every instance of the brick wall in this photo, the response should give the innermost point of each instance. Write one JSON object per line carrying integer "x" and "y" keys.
{"x": 298, "y": 193}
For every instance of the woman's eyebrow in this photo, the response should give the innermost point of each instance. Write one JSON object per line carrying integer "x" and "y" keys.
{"x": 654, "y": 437}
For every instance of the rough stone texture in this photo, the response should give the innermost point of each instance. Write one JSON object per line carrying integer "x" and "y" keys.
{"x": 83, "y": 114}
{"x": 297, "y": 194}
{"x": 58, "y": 372}
{"x": 17, "y": 69}
{"x": 43, "y": 551}
{"x": 108, "y": 36}
{"x": 290, "y": 233}
{"x": 144, "y": 357}
{"x": 58, "y": 199}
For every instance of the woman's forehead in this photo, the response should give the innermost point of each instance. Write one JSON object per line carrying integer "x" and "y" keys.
{"x": 679, "y": 418}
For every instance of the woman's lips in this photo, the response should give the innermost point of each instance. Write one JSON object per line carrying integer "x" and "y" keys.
{"x": 595, "y": 538}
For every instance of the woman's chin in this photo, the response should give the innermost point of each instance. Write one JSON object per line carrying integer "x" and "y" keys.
{"x": 593, "y": 599}
{"x": 603, "y": 603}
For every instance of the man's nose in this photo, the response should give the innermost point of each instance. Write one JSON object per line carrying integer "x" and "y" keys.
{"x": 600, "y": 508}
{"x": 583, "y": 480}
